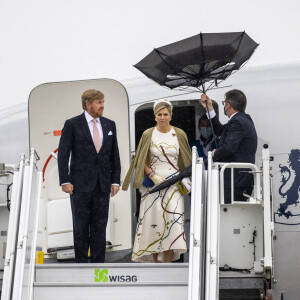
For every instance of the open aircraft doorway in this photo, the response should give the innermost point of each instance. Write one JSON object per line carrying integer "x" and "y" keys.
{"x": 186, "y": 115}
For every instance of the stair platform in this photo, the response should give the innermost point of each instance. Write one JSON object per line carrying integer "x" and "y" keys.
{"x": 112, "y": 281}
{"x": 130, "y": 281}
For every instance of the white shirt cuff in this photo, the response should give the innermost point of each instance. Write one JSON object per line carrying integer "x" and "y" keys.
{"x": 211, "y": 114}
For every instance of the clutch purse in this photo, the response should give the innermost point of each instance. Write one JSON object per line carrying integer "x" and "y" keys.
{"x": 184, "y": 188}
{"x": 147, "y": 182}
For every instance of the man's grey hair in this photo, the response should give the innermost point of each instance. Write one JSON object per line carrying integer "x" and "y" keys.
{"x": 237, "y": 99}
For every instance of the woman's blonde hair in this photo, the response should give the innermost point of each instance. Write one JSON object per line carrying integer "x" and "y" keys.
{"x": 161, "y": 106}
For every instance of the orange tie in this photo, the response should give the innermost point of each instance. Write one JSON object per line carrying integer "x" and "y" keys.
{"x": 97, "y": 138}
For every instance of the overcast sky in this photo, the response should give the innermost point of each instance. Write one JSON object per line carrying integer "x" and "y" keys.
{"x": 60, "y": 40}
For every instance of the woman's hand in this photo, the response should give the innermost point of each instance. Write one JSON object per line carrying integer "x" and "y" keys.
{"x": 157, "y": 179}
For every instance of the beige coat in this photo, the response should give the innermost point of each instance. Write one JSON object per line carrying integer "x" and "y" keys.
{"x": 141, "y": 157}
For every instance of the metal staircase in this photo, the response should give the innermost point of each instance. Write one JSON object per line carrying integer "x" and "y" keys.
{"x": 219, "y": 235}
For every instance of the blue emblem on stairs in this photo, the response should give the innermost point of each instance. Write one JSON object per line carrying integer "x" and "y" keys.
{"x": 289, "y": 187}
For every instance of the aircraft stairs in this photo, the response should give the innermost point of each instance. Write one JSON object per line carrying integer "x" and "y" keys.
{"x": 218, "y": 266}
{"x": 131, "y": 281}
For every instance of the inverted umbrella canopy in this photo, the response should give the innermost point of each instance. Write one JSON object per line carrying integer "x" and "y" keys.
{"x": 204, "y": 58}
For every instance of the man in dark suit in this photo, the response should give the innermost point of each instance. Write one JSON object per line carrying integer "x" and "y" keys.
{"x": 93, "y": 175}
{"x": 238, "y": 142}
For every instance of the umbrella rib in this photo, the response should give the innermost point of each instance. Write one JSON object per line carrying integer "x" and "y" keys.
{"x": 187, "y": 89}
{"x": 190, "y": 69}
{"x": 162, "y": 85}
{"x": 238, "y": 47}
{"x": 220, "y": 87}
{"x": 245, "y": 61}
{"x": 191, "y": 92}
{"x": 218, "y": 77}
{"x": 210, "y": 86}
{"x": 219, "y": 74}
{"x": 223, "y": 71}
{"x": 158, "y": 53}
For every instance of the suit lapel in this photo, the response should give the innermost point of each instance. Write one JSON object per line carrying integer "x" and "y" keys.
{"x": 105, "y": 130}
{"x": 85, "y": 129}
{"x": 224, "y": 134}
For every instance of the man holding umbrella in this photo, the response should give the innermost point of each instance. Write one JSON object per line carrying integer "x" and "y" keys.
{"x": 201, "y": 63}
{"x": 238, "y": 142}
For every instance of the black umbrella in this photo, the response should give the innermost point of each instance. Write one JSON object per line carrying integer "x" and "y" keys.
{"x": 206, "y": 58}
{"x": 186, "y": 172}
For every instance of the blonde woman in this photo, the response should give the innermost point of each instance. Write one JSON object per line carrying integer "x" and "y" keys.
{"x": 162, "y": 153}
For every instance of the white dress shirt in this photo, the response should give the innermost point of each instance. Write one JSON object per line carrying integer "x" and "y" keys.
{"x": 90, "y": 122}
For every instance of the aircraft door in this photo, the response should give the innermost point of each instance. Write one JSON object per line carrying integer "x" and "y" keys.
{"x": 50, "y": 105}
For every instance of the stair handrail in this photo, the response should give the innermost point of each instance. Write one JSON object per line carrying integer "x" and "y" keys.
{"x": 212, "y": 233}
{"x": 195, "y": 281}
{"x": 268, "y": 215}
{"x": 13, "y": 229}
{"x": 232, "y": 166}
{"x": 18, "y": 285}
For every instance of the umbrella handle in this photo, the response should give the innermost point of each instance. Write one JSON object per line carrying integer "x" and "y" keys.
{"x": 203, "y": 89}
{"x": 212, "y": 127}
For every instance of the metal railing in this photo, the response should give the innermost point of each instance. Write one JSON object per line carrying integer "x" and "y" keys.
{"x": 212, "y": 232}
{"x": 22, "y": 231}
{"x": 268, "y": 221}
{"x": 13, "y": 229}
{"x": 26, "y": 246}
{"x": 207, "y": 196}
{"x": 254, "y": 169}
{"x": 197, "y": 238}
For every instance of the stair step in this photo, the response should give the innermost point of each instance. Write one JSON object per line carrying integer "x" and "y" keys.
{"x": 130, "y": 281}
{"x": 240, "y": 294}
{"x": 123, "y": 284}
{"x": 241, "y": 282}
{"x": 111, "y": 273}
{"x": 124, "y": 291}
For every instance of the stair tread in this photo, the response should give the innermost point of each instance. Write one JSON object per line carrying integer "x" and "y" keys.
{"x": 101, "y": 284}
{"x": 111, "y": 265}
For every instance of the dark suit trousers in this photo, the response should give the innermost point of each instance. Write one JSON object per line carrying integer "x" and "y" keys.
{"x": 90, "y": 214}
{"x": 245, "y": 185}
{"x": 238, "y": 194}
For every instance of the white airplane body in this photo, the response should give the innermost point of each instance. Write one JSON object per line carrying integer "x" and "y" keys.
{"x": 273, "y": 94}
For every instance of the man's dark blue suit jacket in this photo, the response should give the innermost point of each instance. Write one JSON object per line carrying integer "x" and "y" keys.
{"x": 88, "y": 167}
{"x": 238, "y": 143}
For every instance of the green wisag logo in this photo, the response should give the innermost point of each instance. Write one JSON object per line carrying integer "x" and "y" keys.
{"x": 101, "y": 275}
